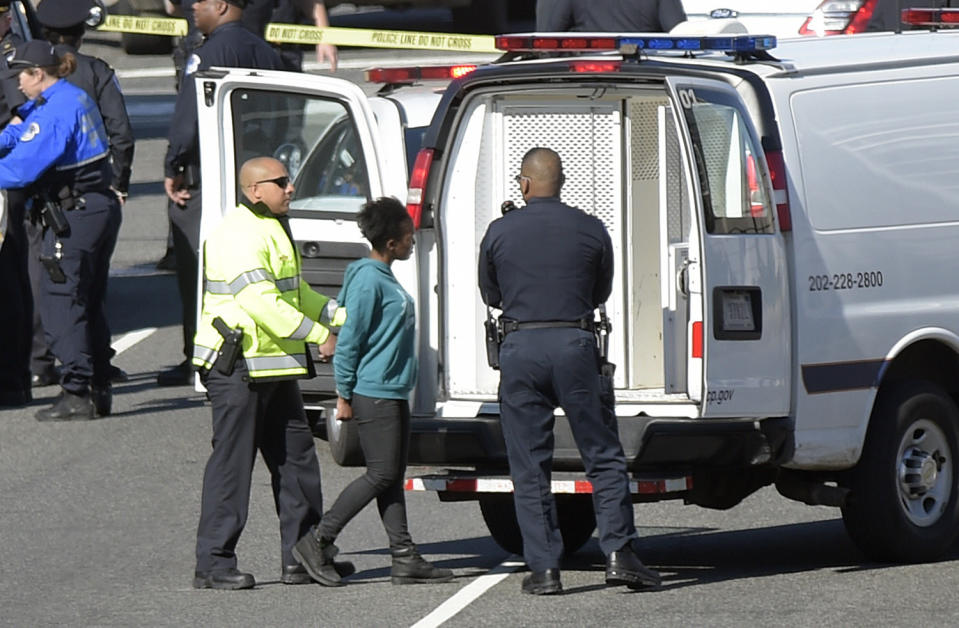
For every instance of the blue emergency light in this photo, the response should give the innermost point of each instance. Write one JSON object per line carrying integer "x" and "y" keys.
{"x": 630, "y": 43}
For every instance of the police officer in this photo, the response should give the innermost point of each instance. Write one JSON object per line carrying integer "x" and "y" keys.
{"x": 63, "y": 23}
{"x": 15, "y": 313}
{"x": 548, "y": 266}
{"x": 60, "y": 151}
{"x": 622, "y": 16}
{"x": 253, "y": 290}
{"x": 311, "y": 12}
{"x": 228, "y": 44}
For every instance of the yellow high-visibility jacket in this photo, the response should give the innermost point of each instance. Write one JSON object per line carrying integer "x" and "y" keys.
{"x": 252, "y": 281}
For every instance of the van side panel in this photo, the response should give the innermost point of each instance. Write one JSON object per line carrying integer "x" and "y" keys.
{"x": 873, "y": 167}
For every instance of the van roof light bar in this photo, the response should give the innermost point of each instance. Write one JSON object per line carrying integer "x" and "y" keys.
{"x": 631, "y": 43}
{"x": 930, "y": 17}
{"x": 418, "y": 73}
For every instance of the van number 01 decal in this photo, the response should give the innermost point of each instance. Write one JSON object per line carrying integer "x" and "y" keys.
{"x": 687, "y": 98}
{"x": 845, "y": 281}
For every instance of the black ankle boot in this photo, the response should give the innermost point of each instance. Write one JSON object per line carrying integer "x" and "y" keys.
{"x": 316, "y": 555}
{"x": 410, "y": 568}
{"x": 69, "y": 407}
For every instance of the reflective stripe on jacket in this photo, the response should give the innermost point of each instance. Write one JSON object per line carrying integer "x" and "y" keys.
{"x": 252, "y": 281}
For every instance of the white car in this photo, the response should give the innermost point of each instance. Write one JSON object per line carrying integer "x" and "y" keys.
{"x": 782, "y": 18}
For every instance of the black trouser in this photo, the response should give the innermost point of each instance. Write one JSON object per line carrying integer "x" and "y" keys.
{"x": 15, "y": 313}
{"x": 384, "y": 430}
{"x": 73, "y": 312}
{"x": 186, "y": 244}
{"x": 247, "y": 417}
{"x": 541, "y": 369}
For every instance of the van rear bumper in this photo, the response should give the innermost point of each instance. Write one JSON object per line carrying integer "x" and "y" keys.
{"x": 648, "y": 443}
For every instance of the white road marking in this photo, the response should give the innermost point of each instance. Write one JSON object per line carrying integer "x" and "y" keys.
{"x": 465, "y": 596}
{"x": 127, "y": 340}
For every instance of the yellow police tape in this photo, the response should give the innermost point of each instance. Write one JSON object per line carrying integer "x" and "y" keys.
{"x": 312, "y": 35}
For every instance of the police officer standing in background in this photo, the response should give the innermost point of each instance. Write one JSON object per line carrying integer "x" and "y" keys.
{"x": 622, "y": 16}
{"x": 63, "y": 23}
{"x": 254, "y": 290}
{"x": 547, "y": 266}
{"x": 14, "y": 285}
{"x": 59, "y": 152}
{"x": 227, "y": 44}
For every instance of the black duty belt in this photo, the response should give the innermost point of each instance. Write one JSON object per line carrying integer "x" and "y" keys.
{"x": 510, "y": 326}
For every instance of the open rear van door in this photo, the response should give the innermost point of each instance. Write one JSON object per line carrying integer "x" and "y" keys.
{"x": 323, "y": 129}
{"x": 739, "y": 326}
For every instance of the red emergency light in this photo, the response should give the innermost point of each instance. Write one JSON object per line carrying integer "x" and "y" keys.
{"x": 554, "y": 43}
{"x": 931, "y": 17}
{"x": 592, "y": 67}
{"x": 413, "y": 74}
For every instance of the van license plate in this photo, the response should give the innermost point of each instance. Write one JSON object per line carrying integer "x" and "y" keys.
{"x": 738, "y": 312}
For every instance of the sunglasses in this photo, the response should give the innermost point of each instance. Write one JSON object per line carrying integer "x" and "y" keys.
{"x": 280, "y": 181}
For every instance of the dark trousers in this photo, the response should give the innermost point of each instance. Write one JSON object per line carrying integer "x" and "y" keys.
{"x": 16, "y": 308}
{"x": 384, "y": 430}
{"x": 542, "y": 369}
{"x": 250, "y": 417}
{"x": 186, "y": 243}
{"x": 41, "y": 357}
{"x": 73, "y": 312}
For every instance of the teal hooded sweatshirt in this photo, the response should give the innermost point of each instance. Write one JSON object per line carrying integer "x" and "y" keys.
{"x": 375, "y": 351}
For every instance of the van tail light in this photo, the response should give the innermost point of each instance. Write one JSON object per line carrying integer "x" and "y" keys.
{"x": 777, "y": 173}
{"x": 418, "y": 179}
{"x": 696, "y": 350}
{"x": 839, "y": 17}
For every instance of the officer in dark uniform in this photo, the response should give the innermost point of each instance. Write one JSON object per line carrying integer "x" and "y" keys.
{"x": 63, "y": 23}
{"x": 228, "y": 44}
{"x": 616, "y": 16}
{"x": 15, "y": 313}
{"x": 59, "y": 151}
{"x": 312, "y": 12}
{"x": 548, "y": 266}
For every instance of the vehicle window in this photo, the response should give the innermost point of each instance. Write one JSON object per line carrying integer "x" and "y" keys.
{"x": 315, "y": 137}
{"x": 735, "y": 198}
{"x": 414, "y": 140}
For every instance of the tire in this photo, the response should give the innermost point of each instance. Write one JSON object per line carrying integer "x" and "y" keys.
{"x": 138, "y": 43}
{"x": 344, "y": 442}
{"x": 575, "y": 512}
{"x": 903, "y": 505}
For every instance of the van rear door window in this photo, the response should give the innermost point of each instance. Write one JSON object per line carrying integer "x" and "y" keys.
{"x": 317, "y": 140}
{"x": 731, "y": 173}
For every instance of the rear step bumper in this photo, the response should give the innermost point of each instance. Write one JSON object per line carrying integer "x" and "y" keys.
{"x": 647, "y": 442}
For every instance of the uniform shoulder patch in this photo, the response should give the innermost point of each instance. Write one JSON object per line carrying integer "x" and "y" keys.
{"x": 32, "y": 131}
{"x": 192, "y": 64}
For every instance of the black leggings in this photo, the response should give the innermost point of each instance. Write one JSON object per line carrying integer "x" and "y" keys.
{"x": 384, "y": 430}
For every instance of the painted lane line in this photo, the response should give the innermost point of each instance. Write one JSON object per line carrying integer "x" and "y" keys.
{"x": 127, "y": 340}
{"x": 465, "y": 596}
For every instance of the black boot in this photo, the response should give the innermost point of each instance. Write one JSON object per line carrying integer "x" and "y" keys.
{"x": 69, "y": 407}
{"x": 102, "y": 396}
{"x": 316, "y": 555}
{"x": 410, "y": 568}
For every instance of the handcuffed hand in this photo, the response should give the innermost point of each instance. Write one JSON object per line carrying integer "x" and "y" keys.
{"x": 344, "y": 411}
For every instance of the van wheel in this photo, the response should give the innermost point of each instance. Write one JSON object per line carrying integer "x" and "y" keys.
{"x": 575, "y": 512}
{"x": 902, "y": 504}
{"x": 344, "y": 441}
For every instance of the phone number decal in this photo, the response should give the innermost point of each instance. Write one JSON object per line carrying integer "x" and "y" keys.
{"x": 845, "y": 281}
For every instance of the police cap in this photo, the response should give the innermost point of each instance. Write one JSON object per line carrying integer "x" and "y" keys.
{"x": 31, "y": 54}
{"x": 63, "y": 13}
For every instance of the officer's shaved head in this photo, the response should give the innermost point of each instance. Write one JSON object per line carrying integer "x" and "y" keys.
{"x": 260, "y": 168}
{"x": 544, "y": 169}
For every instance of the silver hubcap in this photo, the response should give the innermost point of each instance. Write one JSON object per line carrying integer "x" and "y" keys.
{"x": 925, "y": 472}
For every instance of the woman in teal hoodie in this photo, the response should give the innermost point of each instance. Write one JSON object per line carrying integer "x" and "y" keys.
{"x": 375, "y": 368}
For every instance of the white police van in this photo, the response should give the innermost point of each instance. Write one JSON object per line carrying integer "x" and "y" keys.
{"x": 786, "y": 304}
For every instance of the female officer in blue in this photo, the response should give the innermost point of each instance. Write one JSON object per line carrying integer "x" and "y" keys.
{"x": 57, "y": 149}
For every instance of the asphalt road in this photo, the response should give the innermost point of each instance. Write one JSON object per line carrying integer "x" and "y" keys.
{"x": 98, "y": 520}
